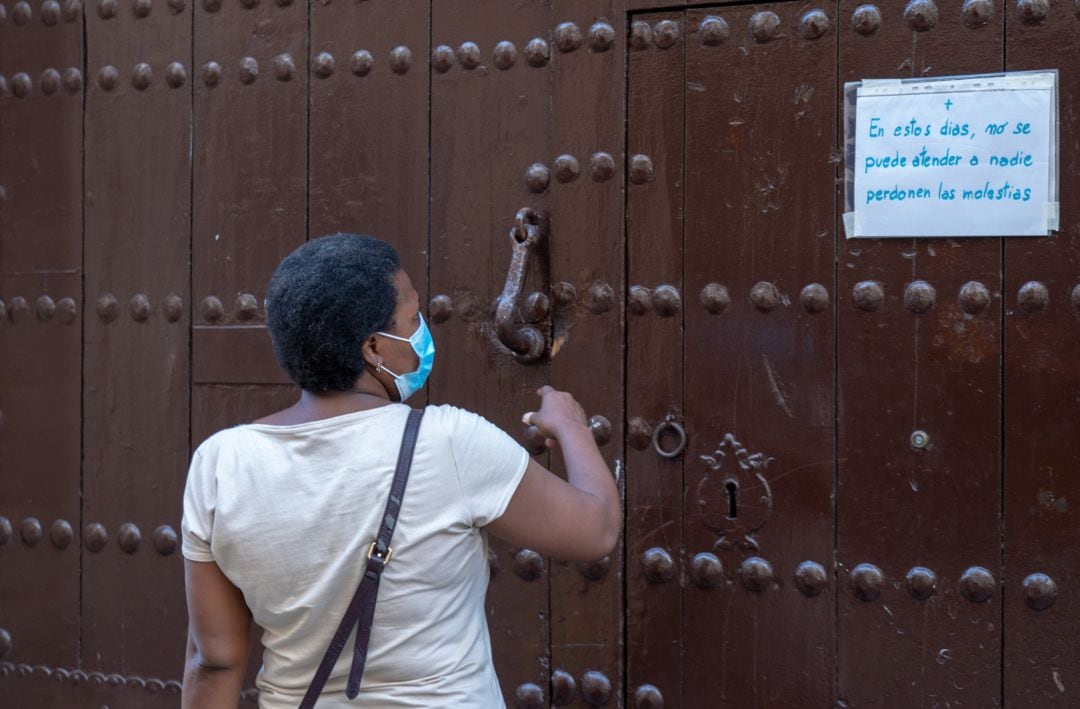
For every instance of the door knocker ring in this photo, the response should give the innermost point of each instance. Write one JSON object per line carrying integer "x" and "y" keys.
{"x": 669, "y": 423}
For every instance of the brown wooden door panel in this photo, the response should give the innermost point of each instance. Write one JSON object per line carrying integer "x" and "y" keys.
{"x": 249, "y": 191}
{"x": 39, "y": 469}
{"x": 40, "y": 325}
{"x": 759, "y": 374}
{"x": 239, "y": 354}
{"x": 487, "y": 126}
{"x": 900, "y": 509}
{"x": 135, "y": 365}
{"x": 587, "y": 252}
{"x": 654, "y": 354}
{"x": 41, "y": 125}
{"x": 1041, "y": 385}
{"x": 368, "y": 167}
{"x": 250, "y": 153}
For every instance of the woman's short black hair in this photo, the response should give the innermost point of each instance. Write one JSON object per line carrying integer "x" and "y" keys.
{"x": 323, "y": 301}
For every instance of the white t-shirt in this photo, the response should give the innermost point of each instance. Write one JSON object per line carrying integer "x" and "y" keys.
{"x": 288, "y": 512}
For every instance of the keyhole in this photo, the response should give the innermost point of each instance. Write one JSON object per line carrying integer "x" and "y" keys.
{"x": 732, "y": 498}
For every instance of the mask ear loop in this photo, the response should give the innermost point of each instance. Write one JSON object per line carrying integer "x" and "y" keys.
{"x": 380, "y": 367}
{"x": 403, "y": 339}
{"x": 394, "y": 337}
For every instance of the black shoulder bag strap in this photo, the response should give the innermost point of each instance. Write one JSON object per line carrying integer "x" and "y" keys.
{"x": 361, "y": 609}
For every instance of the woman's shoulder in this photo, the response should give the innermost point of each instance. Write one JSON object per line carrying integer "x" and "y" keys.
{"x": 221, "y": 443}
{"x": 468, "y": 432}
{"x": 453, "y": 418}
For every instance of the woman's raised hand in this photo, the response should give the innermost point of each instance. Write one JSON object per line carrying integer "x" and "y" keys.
{"x": 559, "y": 415}
{"x": 577, "y": 519}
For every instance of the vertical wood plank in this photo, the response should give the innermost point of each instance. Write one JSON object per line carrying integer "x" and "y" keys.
{"x": 759, "y": 355}
{"x": 587, "y": 252}
{"x": 488, "y": 125}
{"x": 654, "y": 356}
{"x": 40, "y": 155}
{"x": 369, "y": 126}
{"x": 217, "y": 406}
{"x": 1041, "y": 381}
{"x": 250, "y": 149}
{"x": 135, "y": 423}
{"x": 249, "y": 186}
{"x": 899, "y": 508}
{"x": 250, "y": 167}
{"x": 40, "y": 358}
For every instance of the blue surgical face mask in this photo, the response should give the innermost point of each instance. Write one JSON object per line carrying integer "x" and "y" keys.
{"x": 424, "y": 347}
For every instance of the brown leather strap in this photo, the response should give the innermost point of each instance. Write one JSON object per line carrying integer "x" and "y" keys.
{"x": 361, "y": 610}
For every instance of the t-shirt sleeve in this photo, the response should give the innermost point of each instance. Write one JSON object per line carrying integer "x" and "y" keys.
{"x": 489, "y": 463}
{"x": 197, "y": 525}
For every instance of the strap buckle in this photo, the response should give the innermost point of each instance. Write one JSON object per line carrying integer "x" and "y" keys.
{"x": 384, "y": 559}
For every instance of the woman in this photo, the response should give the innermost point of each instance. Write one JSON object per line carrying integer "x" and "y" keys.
{"x": 279, "y": 514}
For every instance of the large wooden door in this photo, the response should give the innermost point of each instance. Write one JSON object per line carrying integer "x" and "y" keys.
{"x": 857, "y": 480}
{"x": 848, "y": 466}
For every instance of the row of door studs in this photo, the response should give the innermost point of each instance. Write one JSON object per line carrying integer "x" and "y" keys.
{"x": 867, "y": 581}
{"x": 95, "y": 535}
{"x": 919, "y": 297}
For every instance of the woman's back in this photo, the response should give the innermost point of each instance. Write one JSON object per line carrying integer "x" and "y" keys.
{"x": 279, "y": 515}
{"x": 288, "y": 512}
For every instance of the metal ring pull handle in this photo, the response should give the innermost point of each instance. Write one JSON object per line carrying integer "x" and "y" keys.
{"x": 525, "y": 341}
{"x": 666, "y": 424}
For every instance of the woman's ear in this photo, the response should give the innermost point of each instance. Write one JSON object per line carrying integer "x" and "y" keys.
{"x": 370, "y": 348}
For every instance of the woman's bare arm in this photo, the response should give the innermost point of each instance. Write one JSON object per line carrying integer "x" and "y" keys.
{"x": 578, "y": 519}
{"x": 219, "y": 630}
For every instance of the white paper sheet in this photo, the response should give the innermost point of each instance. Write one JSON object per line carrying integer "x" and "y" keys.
{"x": 956, "y": 157}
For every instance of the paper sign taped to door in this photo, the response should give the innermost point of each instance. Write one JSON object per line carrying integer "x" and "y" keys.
{"x": 953, "y": 157}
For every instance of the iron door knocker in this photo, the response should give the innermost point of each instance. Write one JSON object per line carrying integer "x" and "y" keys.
{"x": 526, "y": 342}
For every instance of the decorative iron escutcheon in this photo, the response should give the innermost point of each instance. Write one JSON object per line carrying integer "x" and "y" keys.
{"x": 526, "y": 342}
